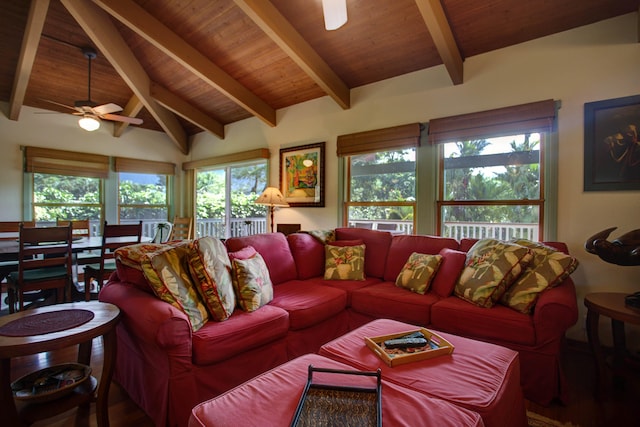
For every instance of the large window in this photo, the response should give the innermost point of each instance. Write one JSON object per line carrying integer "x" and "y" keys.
{"x": 380, "y": 172}
{"x": 66, "y": 197}
{"x": 225, "y": 199}
{"x": 491, "y": 173}
{"x": 142, "y": 196}
{"x": 381, "y": 190}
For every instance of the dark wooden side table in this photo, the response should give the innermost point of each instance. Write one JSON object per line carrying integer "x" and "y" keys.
{"x": 609, "y": 304}
{"x": 102, "y": 323}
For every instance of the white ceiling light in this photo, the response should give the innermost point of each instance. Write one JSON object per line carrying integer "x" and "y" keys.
{"x": 335, "y": 13}
{"x": 89, "y": 123}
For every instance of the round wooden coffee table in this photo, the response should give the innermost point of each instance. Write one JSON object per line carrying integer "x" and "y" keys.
{"x": 52, "y": 328}
{"x": 610, "y": 304}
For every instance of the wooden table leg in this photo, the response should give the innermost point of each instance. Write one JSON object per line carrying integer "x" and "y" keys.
{"x": 102, "y": 402}
{"x": 620, "y": 348}
{"x": 8, "y": 410}
{"x": 593, "y": 336}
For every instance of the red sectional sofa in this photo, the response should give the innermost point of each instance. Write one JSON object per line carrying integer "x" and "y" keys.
{"x": 167, "y": 369}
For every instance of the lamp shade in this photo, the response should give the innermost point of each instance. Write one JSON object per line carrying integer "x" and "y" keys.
{"x": 271, "y": 196}
{"x": 89, "y": 123}
{"x": 335, "y": 13}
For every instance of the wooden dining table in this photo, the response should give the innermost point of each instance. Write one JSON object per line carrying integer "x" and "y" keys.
{"x": 9, "y": 249}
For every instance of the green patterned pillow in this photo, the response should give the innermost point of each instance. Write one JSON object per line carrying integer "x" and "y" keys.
{"x": 211, "y": 270}
{"x": 418, "y": 272}
{"x": 548, "y": 268}
{"x": 131, "y": 255}
{"x": 167, "y": 272}
{"x": 252, "y": 282}
{"x": 323, "y": 236}
{"x": 491, "y": 267}
{"x": 344, "y": 262}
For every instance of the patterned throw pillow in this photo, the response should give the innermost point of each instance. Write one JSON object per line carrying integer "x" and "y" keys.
{"x": 252, "y": 282}
{"x": 323, "y": 236}
{"x": 131, "y": 255}
{"x": 491, "y": 267}
{"x": 211, "y": 270}
{"x": 344, "y": 262}
{"x": 548, "y": 268}
{"x": 167, "y": 272}
{"x": 418, "y": 271}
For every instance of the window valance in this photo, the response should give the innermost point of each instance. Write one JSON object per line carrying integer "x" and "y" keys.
{"x": 393, "y": 138}
{"x": 533, "y": 117}
{"x": 260, "y": 153}
{"x": 124, "y": 164}
{"x": 61, "y": 162}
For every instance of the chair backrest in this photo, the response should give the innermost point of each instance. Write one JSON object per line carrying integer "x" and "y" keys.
{"x": 10, "y": 230}
{"x": 182, "y": 228}
{"x": 44, "y": 247}
{"x": 115, "y": 236}
{"x": 79, "y": 227}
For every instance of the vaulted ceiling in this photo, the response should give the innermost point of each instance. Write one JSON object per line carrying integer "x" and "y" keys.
{"x": 187, "y": 66}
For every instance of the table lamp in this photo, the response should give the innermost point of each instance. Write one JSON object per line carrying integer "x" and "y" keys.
{"x": 272, "y": 197}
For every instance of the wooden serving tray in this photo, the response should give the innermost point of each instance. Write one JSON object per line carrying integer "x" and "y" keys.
{"x": 437, "y": 346}
{"x": 50, "y": 383}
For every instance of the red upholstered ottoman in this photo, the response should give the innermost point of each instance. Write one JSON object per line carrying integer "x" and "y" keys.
{"x": 271, "y": 399}
{"x": 482, "y": 377}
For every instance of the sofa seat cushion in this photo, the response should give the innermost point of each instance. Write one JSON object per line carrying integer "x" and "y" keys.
{"x": 386, "y": 300}
{"x": 348, "y": 285}
{"x": 217, "y": 341}
{"x": 275, "y": 251}
{"x": 376, "y": 248}
{"x": 402, "y": 246}
{"x": 497, "y": 323}
{"x": 308, "y": 303}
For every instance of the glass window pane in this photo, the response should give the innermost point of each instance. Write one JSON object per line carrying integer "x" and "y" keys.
{"x": 142, "y": 189}
{"x": 65, "y": 197}
{"x": 490, "y": 221}
{"x": 505, "y": 168}
{"x": 384, "y": 176}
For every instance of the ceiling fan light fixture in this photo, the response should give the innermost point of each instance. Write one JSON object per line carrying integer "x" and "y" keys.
{"x": 335, "y": 13}
{"x": 89, "y": 123}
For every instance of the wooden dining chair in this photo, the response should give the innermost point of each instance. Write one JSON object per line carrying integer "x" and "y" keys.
{"x": 44, "y": 262}
{"x": 182, "y": 228}
{"x": 79, "y": 227}
{"x": 114, "y": 236}
{"x": 10, "y": 230}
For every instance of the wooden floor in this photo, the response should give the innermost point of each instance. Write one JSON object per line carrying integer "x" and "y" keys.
{"x": 619, "y": 408}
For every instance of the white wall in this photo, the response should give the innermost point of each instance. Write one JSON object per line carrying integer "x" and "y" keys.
{"x": 591, "y": 63}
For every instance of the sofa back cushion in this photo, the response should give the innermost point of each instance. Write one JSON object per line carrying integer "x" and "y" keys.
{"x": 402, "y": 246}
{"x": 274, "y": 249}
{"x": 377, "y": 245}
{"x": 308, "y": 253}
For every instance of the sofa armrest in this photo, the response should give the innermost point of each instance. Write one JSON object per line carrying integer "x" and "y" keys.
{"x": 148, "y": 318}
{"x": 556, "y": 311}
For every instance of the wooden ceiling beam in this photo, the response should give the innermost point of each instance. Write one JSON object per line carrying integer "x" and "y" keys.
{"x": 162, "y": 37}
{"x": 98, "y": 26}
{"x": 33, "y": 31}
{"x": 185, "y": 110}
{"x": 133, "y": 107}
{"x": 440, "y": 30}
{"x": 276, "y": 26}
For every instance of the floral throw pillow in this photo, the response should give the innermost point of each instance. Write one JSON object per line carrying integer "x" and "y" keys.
{"x": 344, "y": 262}
{"x": 491, "y": 267}
{"x": 211, "y": 270}
{"x": 418, "y": 272}
{"x": 252, "y": 282}
{"x": 167, "y": 272}
{"x": 548, "y": 268}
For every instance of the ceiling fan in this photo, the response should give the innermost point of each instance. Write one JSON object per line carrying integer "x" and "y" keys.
{"x": 91, "y": 112}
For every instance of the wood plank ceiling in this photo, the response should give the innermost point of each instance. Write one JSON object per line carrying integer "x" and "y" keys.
{"x": 186, "y": 66}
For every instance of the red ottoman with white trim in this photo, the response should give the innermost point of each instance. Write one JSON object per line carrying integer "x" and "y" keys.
{"x": 479, "y": 376}
{"x": 271, "y": 399}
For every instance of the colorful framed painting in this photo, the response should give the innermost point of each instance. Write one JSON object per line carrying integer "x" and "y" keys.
{"x": 611, "y": 145}
{"x": 302, "y": 175}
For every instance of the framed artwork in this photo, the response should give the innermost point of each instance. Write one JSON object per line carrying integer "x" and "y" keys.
{"x": 302, "y": 175}
{"x": 611, "y": 145}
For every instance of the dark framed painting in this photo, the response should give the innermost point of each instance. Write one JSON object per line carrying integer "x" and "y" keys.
{"x": 611, "y": 145}
{"x": 302, "y": 175}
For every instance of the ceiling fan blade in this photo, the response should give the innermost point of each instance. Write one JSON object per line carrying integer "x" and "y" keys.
{"x": 106, "y": 109}
{"x": 117, "y": 118}
{"x": 62, "y": 105}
